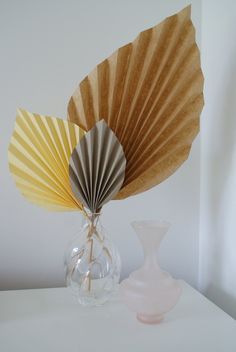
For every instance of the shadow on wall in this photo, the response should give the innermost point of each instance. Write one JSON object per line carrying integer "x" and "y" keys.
{"x": 222, "y": 195}
{"x": 222, "y": 299}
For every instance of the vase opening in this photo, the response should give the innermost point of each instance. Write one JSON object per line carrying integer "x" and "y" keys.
{"x": 151, "y": 224}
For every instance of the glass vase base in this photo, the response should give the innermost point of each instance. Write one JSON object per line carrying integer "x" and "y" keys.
{"x": 95, "y": 298}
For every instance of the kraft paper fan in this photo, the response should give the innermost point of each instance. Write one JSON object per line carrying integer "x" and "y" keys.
{"x": 39, "y": 154}
{"x": 150, "y": 94}
{"x": 97, "y": 167}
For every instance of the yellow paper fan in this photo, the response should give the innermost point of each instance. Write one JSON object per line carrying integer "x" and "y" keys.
{"x": 39, "y": 153}
{"x": 150, "y": 94}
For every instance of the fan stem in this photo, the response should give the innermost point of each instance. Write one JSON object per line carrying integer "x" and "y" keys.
{"x": 90, "y": 261}
{"x": 92, "y": 230}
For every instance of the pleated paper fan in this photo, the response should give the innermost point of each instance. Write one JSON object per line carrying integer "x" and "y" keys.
{"x": 97, "y": 167}
{"x": 39, "y": 153}
{"x": 150, "y": 94}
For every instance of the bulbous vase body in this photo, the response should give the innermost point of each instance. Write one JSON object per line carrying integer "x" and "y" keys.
{"x": 149, "y": 291}
{"x": 92, "y": 264}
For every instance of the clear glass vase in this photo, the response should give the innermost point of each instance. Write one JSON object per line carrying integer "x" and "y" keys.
{"x": 92, "y": 263}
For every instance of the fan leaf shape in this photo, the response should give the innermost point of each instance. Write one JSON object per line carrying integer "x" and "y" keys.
{"x": 38, "y": 155}
{"x": 97, "y": 167}
{"x": 150, "y": 94}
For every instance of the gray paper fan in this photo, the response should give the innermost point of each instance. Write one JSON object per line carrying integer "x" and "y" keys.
{"x": 97, "y": 167}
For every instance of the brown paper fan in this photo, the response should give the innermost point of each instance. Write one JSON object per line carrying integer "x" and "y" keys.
{"x": 39, "y": 154}
{"x": 150, "y": 94}
{"x": 97, "y": 167}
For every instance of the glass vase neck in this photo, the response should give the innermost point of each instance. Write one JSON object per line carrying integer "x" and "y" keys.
{"x": 91, "y": 218}
{"x": 150, "y": 234}
{"x": 92, "y": 262}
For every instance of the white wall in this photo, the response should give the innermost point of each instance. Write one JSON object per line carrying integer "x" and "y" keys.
{"x": 47, "y": 47}
{"x": 217, "y": 270}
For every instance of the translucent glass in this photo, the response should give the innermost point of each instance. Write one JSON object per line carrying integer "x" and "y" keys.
{"x": 150, "y": 291}
{"x": 92, "y": 263}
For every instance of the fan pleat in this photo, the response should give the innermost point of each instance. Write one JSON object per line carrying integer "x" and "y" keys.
{"x": 88, "y": 102}
{"x": 26, "y": 182}
{"x": 97, "y": 167}
{"x": 119, "y": 64}
{"x": 37, "y": 171}
{"x": 40, "y": 194}
{"x": 155, "y": 129}
{"x": 137, "y": 60}
{"x": 139, "y": 95}
{"x": 171, "y": 165}
{"x": 39, "y": 154}
{"x": 103, "y": 77}
{"x": 151, "y": 99}
{"x": 140, "y": 91}
{"x": 178, "y": 123}
{"x": 116, "y": 163}
{"x": 41, "y": 140}
{"x": 163, "y": 150}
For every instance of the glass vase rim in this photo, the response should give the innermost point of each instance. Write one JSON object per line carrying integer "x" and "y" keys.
{"x": 89, "y": 214}
{"x": 151, "y": 223}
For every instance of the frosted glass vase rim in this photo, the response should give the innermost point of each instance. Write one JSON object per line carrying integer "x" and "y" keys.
{"x": 161, "y": 224}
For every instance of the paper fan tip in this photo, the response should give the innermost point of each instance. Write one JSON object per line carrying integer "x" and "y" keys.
{"x": 20, "y": 111}
{"x": 185, "y": 13}
{"x": 187, "y": 9}
{"x": 102, "y": 122}
{"x": 103, "y": 125}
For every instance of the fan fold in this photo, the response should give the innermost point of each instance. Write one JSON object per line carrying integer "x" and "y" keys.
{"x": 39, "y": 153}
{"x": 149, "y": 92}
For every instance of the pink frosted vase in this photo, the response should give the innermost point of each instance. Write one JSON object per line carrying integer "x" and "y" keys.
{"x": 149, "y": 291}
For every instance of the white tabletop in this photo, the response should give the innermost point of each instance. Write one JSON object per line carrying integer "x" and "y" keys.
{"x": 51, "y": 320}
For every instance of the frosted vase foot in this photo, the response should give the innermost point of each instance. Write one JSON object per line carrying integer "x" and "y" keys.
{"x": 149, "y": 291}
{"x": 150, "y": 319}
